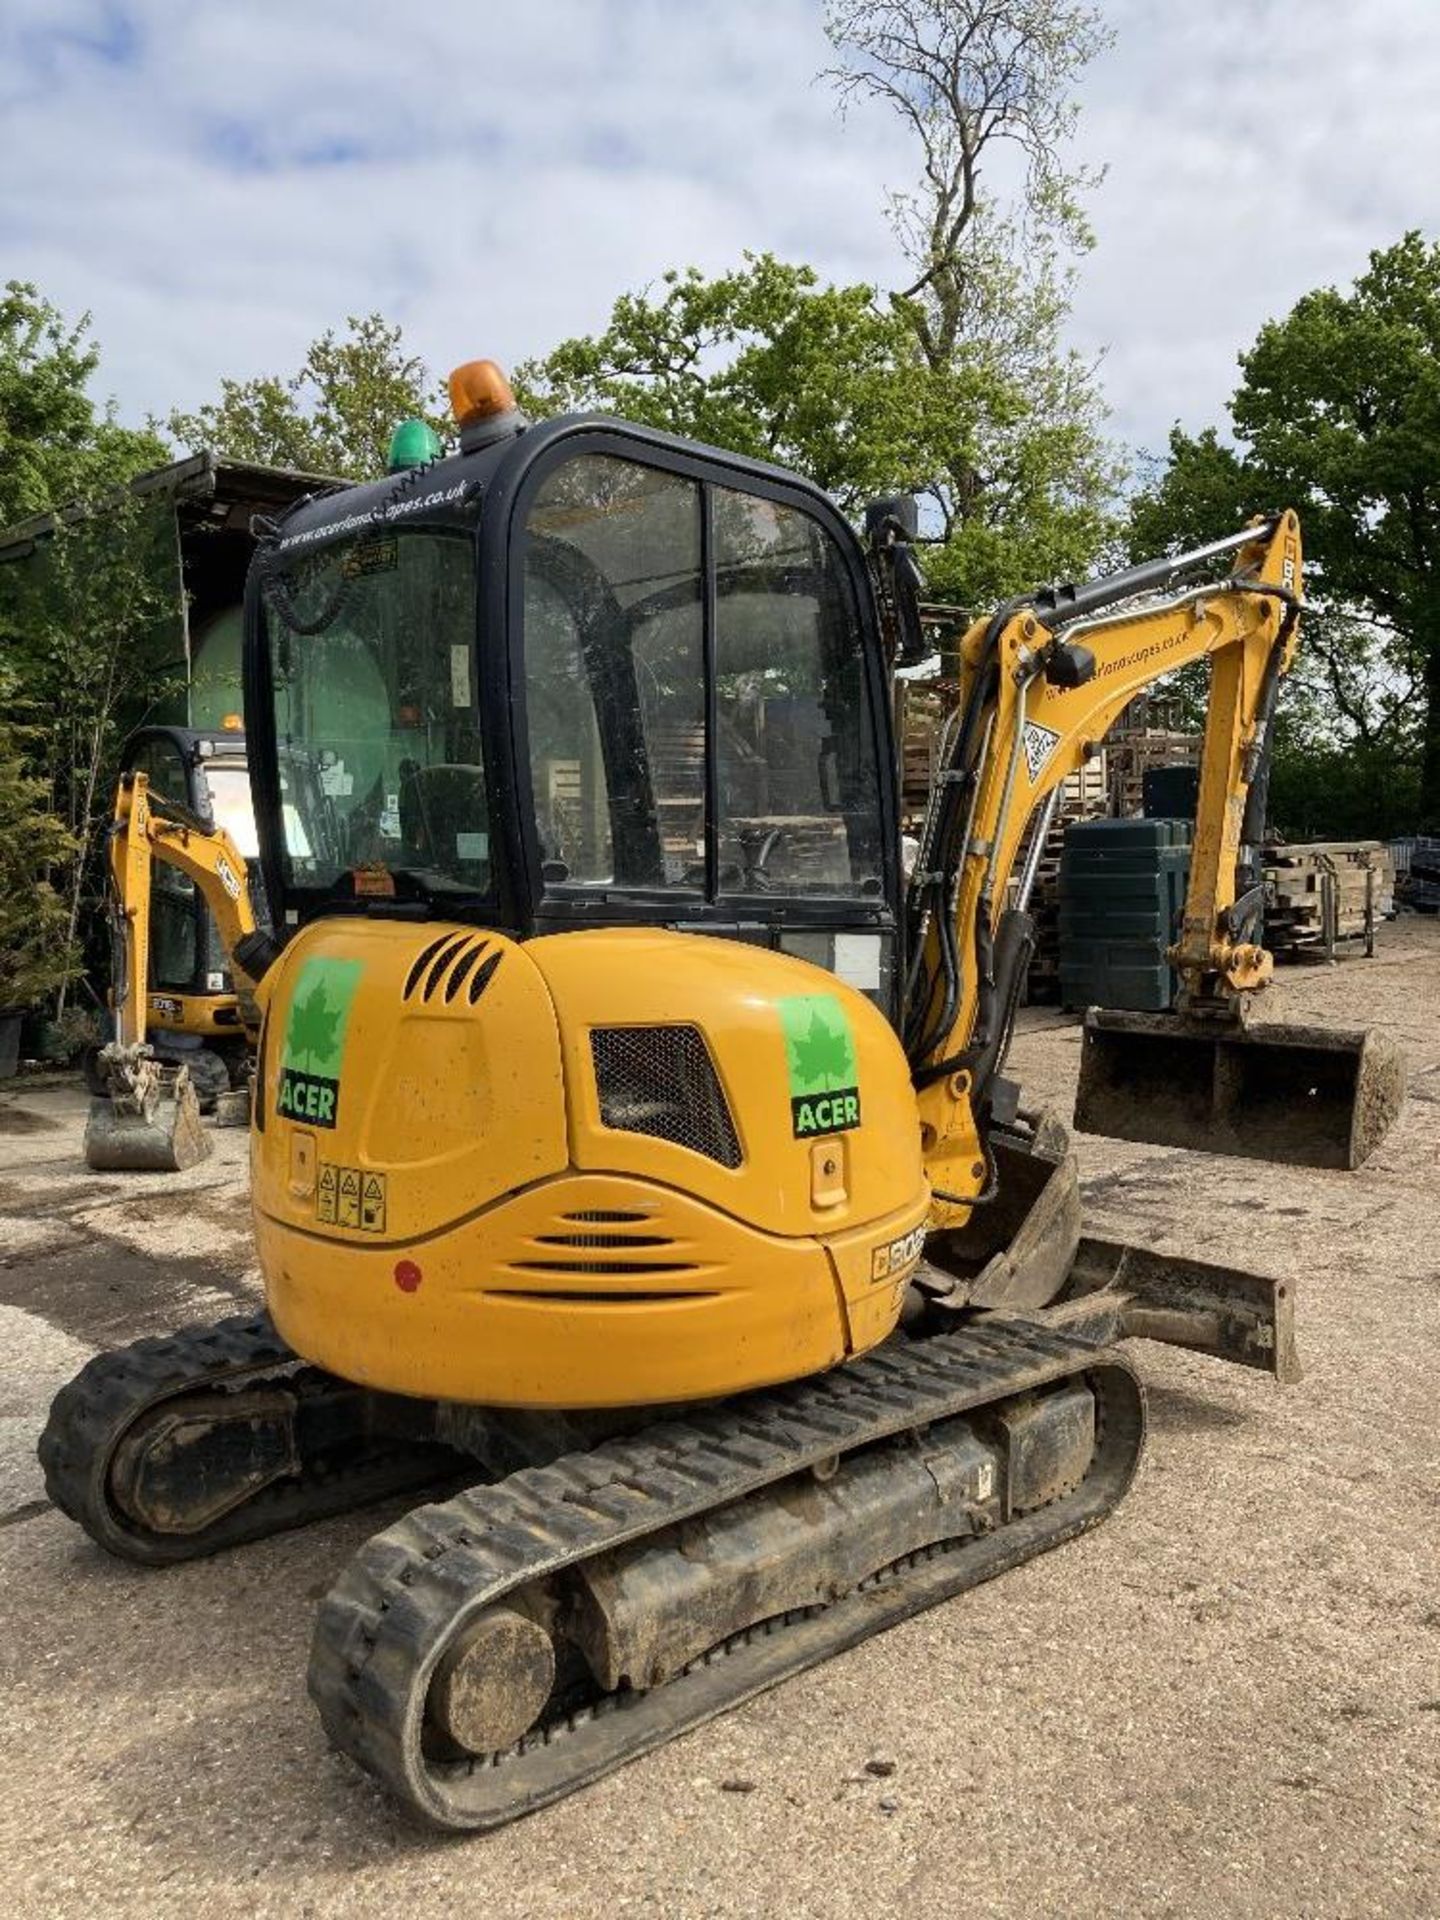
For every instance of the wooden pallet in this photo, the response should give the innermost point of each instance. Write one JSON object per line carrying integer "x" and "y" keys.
{"x": 1326, "y": 895}
{"x": 921, "y": 710}
{"x": 1150, "y": 732}
{"x": 1131, "y": 755}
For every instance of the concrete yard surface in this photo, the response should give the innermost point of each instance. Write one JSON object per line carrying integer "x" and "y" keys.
{"x": 1224, "y": 1701}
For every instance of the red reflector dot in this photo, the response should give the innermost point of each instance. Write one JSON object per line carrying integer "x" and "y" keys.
{"x": 407, "y": 1275}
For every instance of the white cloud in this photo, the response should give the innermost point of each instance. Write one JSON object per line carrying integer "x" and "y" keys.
{"x": 496, "y": 181}
{"x": 220, "y": 183}
{"x": 1256, "y": 149}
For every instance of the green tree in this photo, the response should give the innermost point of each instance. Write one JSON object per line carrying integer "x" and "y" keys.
{"x": 36, "y": 954}
{"x": 955, "y": 385}
{"x": 832, "y": 382}
{"x": 334, "y": 416}
{"x": 967, "y": 77}
{"x": 1338, "y": 414}
{"x": 55, "y": 444}
{"x": 72, "y": 613}
{"x": 89, "y": 618}
{"x": 766, "y": 362}
{"x": 1028, "y": 493}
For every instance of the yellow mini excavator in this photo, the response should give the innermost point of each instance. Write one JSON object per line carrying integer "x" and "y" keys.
{"x": 194, "y": 1017}
{"x": 145, "y": 1112}
{"x": 631, "y": 1148}
{"x": 183, "y": 1033}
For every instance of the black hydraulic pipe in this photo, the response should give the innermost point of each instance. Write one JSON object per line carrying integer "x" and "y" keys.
{"x": 921, "y": 1034}
{"x": 1257, "y": 797}
{"x": 1014, "y": 947}
{"x": 1058, "y": 605}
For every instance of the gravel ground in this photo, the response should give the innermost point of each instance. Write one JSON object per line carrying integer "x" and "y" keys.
{"x": 1224, "y": 1701}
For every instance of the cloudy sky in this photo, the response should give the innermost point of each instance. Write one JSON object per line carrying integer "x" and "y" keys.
{"x": 217, "y": 181}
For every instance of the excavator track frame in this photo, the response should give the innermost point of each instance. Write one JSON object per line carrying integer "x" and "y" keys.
{"x": 411, "y": 1591}
{"x": 106, "y": 1405}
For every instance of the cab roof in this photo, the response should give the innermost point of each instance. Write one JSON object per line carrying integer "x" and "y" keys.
{"x": 449, "y": 489}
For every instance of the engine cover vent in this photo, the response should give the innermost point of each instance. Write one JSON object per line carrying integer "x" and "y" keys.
{"x": 447, "y": 963}
{"x": 662, "y": 1082}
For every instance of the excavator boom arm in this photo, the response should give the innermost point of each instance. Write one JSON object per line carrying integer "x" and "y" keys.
{"x": 1041, "y": 684}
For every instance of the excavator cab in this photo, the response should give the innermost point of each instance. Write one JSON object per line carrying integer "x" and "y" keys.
{"x": 519, "y": 721}
{"x": 654, "y": 696}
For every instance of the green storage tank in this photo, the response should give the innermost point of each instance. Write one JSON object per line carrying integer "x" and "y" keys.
{"x": 1122, "y": 892}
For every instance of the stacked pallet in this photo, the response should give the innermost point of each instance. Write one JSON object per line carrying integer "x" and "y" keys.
{"x": 1326, "y": 895}
{"x": 921, "y": 710}
{"x": 1149, "y": 733}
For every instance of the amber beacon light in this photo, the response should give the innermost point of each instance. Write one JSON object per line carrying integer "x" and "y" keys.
{"x": 479, "y": 391}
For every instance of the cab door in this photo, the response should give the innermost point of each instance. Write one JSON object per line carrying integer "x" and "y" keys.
{"x": 701, "y": 708}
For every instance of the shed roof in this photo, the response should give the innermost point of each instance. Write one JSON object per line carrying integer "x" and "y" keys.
{"x": 233, "y": 489}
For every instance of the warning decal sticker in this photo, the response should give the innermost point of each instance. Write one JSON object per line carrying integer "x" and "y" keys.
{"x": 1040, "y": 743}
{"x": 315, "y": 1041}
{"x": 820, "y": 1055}
{"x": 350, "y": 1197}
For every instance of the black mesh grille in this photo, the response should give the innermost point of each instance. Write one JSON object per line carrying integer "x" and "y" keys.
{"x": 661, "y": 1081}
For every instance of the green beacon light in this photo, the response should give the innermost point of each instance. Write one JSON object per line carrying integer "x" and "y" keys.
{"x": 411, "y": 445}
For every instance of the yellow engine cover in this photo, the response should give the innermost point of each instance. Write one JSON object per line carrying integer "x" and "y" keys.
{"x": 605, "y": 1168}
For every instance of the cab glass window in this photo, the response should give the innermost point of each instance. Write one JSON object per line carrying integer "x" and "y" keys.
{"x": 371, "y": 644}
{"x": 615, "y": 651}
{"x": 160, "y": 760}
{"x": 231, "y": 805}
{"x": 614, "y": 678}
{"x": 798, "y": 778}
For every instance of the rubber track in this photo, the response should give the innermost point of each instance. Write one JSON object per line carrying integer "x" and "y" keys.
{"x": 383, "y": 1627}
{"x": 92, "y": 1414}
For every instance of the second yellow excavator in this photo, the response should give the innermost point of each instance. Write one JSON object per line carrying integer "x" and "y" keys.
{"x": 145, "y": 1113}
{"x": 631, "y": 1147}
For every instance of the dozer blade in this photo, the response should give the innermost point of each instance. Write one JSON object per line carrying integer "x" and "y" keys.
{"x": 1309, "y": 1096}
{"x": 148, "y": 1122}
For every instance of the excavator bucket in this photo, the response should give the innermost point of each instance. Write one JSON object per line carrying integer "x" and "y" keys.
{"x": 147, "y": 1120}
{"x": 1309, "y": 1096}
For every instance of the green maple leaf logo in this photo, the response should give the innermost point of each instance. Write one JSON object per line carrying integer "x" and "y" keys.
{"x": 312, "y": 1030}
{"x": 819, "y": 1046}
{"x": 822, "y": 1056}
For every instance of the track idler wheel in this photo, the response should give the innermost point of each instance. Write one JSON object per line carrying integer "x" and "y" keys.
{"x": 493, "y": 1683}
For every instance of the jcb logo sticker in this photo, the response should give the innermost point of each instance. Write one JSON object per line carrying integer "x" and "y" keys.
{"x": 897, "y": 1256}
{"x": 227, "y": 876}
{"x": 820, "y": 1055}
